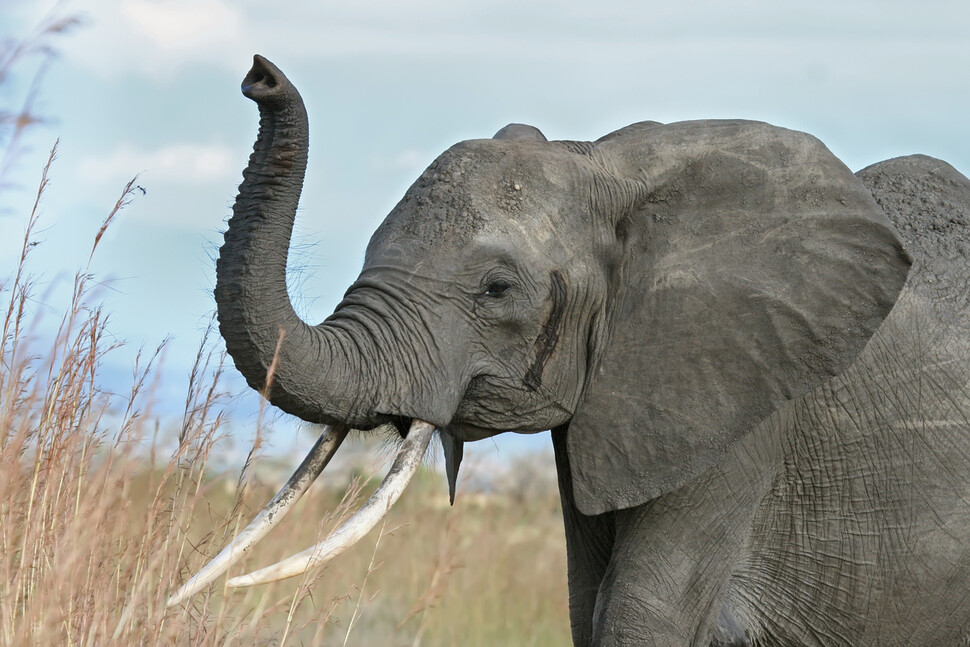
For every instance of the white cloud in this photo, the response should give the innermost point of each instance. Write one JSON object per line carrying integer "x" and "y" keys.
{"x": 156, "y": 38}
{"x": 159, "y": 38}
{"x": 176, "y": 163}
{"x": 182, "y": 25}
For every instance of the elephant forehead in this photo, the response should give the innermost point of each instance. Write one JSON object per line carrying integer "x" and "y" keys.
{"x": 474, "y": 189}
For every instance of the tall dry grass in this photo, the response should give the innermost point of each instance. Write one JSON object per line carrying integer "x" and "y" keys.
{"x": 98, "y": 526}
{"x": 97, "y": 529}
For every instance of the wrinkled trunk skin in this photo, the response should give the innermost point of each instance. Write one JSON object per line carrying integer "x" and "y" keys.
{"x": 322, "y": 372}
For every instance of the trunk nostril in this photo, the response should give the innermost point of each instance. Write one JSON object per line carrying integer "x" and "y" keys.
{"x": 261, "y": 80}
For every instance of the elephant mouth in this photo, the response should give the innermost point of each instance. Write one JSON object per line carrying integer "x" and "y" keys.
{"x": 467, "y": 432}
{"x": 402, "y": 470}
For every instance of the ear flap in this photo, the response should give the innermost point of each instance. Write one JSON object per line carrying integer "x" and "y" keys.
{"x": 756, "y": 268}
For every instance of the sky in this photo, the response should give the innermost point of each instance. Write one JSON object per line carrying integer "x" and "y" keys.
{"x": 151, "y": 87}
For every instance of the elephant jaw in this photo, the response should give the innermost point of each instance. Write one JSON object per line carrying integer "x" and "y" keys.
{"x": 402, "y": 470}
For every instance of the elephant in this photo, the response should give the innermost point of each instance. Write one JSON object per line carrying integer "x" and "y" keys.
{"x": 755, "y": 366}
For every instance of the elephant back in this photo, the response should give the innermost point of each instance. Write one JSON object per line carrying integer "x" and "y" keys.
{"x": 875, "y": 460}
{"x": 928, "y": 202}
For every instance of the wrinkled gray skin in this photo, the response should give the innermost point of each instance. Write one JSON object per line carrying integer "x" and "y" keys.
{"x": 757, "y": 382}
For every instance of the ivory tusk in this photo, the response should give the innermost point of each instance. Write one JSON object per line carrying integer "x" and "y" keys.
{"x": 402, "y": 470}
{"x": 316, "y": 459}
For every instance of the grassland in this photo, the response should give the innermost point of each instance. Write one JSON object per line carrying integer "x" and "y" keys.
{"x": 97, "y": 528}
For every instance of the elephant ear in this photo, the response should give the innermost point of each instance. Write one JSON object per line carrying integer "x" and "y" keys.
{"x": 751, "y": 267}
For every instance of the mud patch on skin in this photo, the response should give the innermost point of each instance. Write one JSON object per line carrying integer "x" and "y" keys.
{"x": 511, "y": 198}
{"x": 926, "y": 200}
{"x": 549, "y": 337}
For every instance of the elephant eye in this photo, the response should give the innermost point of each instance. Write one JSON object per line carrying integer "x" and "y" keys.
{"x": 497, "y": 288}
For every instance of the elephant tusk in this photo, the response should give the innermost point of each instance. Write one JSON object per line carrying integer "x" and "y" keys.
{"x": 316, "y": 459}
{"x": 453, "y": 449}
{"x": 402, "y": 471}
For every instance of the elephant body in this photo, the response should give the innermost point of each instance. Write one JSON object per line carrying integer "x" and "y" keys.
{"x": 755, "y": 364}
{"x": 844, "y": 517}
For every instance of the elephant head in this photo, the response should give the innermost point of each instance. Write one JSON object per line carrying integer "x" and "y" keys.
{"x": 659, "y": 291}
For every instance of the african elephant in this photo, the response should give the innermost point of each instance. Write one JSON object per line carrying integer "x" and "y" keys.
{"x": 755, "y": 365}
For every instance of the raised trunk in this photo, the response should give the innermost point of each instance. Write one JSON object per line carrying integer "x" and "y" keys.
{"x": 317, "y": 376}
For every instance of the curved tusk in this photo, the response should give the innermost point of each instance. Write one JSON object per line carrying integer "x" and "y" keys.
{"x": 402, "y": 470}
{"x": 316, "y": 459}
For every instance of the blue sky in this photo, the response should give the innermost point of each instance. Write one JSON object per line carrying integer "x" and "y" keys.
{"x": 151, "y": 87}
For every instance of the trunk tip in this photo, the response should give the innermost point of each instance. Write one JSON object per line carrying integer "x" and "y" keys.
{"x": 264, "y": 81}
